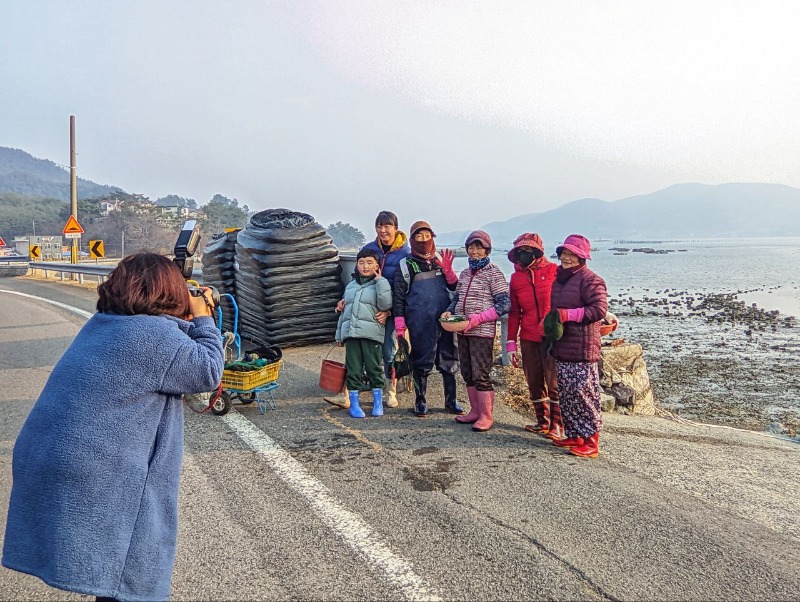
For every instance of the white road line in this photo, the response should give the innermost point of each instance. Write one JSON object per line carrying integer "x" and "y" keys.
{"x": 347, "y": 525}
{"x": 74, "y": 310}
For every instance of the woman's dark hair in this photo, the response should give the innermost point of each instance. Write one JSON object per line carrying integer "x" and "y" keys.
{"x": 144, "y": 283}
{"x": 386, "y": 218}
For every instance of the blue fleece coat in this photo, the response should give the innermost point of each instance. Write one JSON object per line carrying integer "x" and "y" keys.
{"x": 96, "y": 465}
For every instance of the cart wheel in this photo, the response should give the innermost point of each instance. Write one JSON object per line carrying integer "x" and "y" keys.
{"x": 223, "y": 404}
{"x": 247, "y": 399}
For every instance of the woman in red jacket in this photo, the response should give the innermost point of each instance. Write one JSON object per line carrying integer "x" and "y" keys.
{"x": 580, "y": 302}
{"x": 531, "y": 284}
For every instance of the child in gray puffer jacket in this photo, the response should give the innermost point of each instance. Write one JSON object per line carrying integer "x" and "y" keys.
{"x": 361, "y": 333}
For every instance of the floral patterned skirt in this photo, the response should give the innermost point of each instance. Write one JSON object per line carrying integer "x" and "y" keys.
{"x": 579, "y": 394}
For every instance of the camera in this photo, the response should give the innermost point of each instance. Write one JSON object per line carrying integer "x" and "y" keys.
{"x": 196, "y": 291}
{"x": 186, "y": 246}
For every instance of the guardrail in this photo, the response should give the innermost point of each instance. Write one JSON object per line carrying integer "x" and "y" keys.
{"x": 15, "y": 259}
{"x": 81, "y": 269}
{"x": 101, "y": 272}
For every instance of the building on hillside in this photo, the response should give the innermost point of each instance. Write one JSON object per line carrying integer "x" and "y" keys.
{"x": 50, "y": 247}
{"x": 179, "y": 211}
{"x": 174, "y": 214}
{"x": 107, "y": 207}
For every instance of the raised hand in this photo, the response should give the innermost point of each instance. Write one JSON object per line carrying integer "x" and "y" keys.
{"x": 447, "y": 266}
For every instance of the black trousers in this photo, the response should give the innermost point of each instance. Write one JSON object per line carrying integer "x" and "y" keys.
{"x": 476, "y": 356}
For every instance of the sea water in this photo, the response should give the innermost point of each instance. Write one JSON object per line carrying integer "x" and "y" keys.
{"x": 762, "y": 270}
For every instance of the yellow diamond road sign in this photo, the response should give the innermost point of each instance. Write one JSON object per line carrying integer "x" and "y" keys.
{"x": 35, "y": 252}
{"x": 96, "y": 249}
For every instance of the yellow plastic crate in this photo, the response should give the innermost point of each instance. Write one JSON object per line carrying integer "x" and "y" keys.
{"x": 244, "y": 381}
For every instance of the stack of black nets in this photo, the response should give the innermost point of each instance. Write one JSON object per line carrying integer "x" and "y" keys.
{"x": 219, "y": 271}
{"x": 288, "y": 280}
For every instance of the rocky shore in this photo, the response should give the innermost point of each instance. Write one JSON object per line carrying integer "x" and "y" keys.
{"x": 712, "y": 358}
{"x": 716, "y": 358}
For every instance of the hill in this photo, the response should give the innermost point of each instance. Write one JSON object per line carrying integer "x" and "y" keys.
{"x": 678, "y": 212}
{"x": 24, "y": 174}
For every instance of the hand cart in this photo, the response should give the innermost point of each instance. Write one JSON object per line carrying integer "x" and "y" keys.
{"x": 254, "y": 385}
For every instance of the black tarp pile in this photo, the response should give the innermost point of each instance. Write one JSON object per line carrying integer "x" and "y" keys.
{"x": 287, "y": 281}
{"x": 219, "y": 271}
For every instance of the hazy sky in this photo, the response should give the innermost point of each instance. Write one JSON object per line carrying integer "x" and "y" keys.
{"x": 460, "y": 113}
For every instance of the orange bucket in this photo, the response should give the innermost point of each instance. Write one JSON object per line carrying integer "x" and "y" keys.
{"x": 332, "y": 375}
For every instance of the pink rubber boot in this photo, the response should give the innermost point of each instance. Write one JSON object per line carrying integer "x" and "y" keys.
{"x": 486, "y": 403}
{"x": 474, "y": 407}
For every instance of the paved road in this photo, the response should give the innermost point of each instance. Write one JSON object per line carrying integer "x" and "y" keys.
{"x": 306, "y": 503}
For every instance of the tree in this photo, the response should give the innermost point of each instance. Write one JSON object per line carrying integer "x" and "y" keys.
{"x": 346, "y": 236}
{"x": 222, "y": 213}
{"x": 173, "y": 200}
{"x": 88, "y": 212}
{"x": 139, "y": 225}
{"x": 20, "y": 214}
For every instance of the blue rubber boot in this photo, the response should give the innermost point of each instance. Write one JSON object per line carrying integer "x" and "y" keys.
{"x": 355, "y": 409}
{"x": 377, "y": 402}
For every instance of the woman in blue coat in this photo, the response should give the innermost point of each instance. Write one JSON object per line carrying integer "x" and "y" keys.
{"x": 94, "y": 501}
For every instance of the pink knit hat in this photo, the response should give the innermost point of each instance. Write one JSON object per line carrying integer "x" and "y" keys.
{"x": 529, "y": 239}
{"x": 578, "y": 244}
{"x": 481, "y": 237}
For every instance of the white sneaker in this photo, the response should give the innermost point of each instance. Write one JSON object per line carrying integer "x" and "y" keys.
{"x": 390, "y": 395}
{"x": 341, "y": 400}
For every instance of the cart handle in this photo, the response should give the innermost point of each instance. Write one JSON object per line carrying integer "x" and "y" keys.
{"x": 237, "y": 339}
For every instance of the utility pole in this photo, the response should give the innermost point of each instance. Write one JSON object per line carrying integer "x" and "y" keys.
{"x": 73, "y": 187}
{"x": 122, "y": 252}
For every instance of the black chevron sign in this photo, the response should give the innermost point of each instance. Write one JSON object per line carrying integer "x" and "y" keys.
{"x": 96, "y": 249}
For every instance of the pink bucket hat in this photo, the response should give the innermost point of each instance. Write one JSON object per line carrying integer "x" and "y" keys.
{"x": 578, "y": 244}
{"x": 529, "y": 239}
{"x": 481, "y": 237}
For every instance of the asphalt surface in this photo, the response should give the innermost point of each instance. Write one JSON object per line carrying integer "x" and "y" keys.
{"x": 306, "y": 503}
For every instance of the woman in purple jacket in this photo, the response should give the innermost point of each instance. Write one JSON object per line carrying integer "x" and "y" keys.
{"x": 579, "y": 297}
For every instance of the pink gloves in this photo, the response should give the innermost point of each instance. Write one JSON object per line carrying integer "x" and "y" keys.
{"x": 400, "y": 326}
{"x": 487, "y": 315}
{"x": 511, "y": 346}
{"x": 447, "y": 266}
{"x": 571, "y": 315}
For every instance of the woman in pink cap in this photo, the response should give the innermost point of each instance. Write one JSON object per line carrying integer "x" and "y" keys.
{"x": 580, "y": 302}
{"x": 531, "y": 285}
{"x": 482, "y": 297}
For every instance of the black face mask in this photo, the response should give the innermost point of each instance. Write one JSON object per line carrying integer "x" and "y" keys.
{"x": 525, "y": 258}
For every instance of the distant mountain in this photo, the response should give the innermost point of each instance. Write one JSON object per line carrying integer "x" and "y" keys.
{"x": 24, "y": 174}
{"x": 679, "y": 212}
